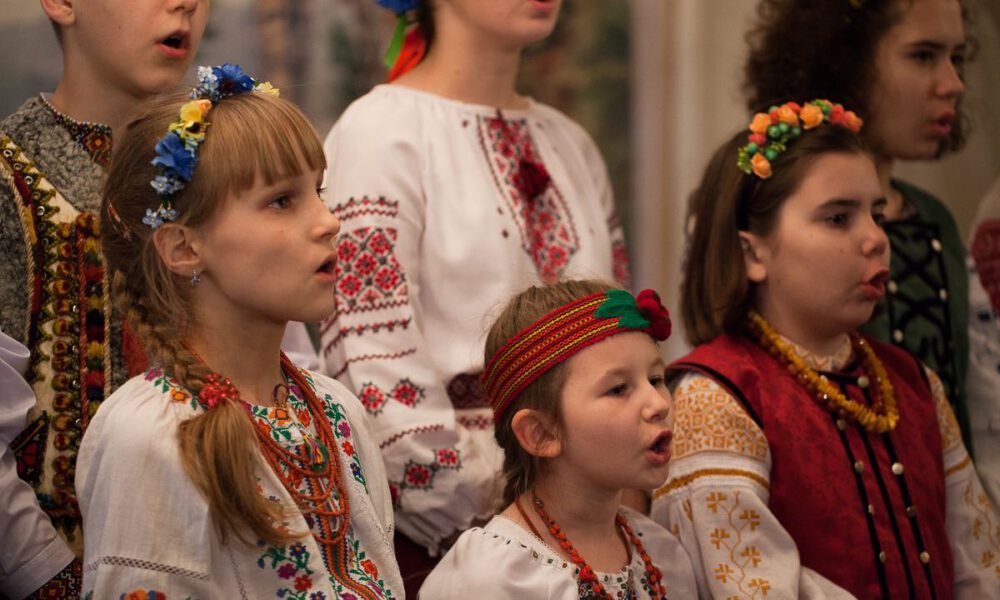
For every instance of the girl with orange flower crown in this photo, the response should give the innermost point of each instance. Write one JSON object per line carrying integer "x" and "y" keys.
{"x": 809, "y": 460}
{"x": 575, "y": 380}
{"x": 454, "y": 191}
{"x": 225, "y": 471}
{"x": 900, "y": 65}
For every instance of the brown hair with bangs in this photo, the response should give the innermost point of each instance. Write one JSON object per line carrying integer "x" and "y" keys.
{"x": 521, "y": 470}
{"x": 249, "y": 137}
{"x": 716, "y": 295}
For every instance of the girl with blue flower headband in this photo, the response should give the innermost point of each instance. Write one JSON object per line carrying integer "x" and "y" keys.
{"x": 225, "y": 470}
{"x": 455, "y": 191}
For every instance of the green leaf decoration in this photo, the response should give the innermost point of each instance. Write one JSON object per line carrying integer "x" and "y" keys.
{"x": 621, "y": 304}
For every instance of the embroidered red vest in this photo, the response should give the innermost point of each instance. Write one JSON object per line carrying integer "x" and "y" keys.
{"x": 866, "y": 511}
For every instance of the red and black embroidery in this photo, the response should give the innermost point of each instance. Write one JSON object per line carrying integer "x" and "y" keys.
{"x": 368, "y": 275}
{"x": 621, "y": 268}
{"x": 365, "y": 207}
{"x": 359, "y": 330}
{"x": 420, "y": 476}
{"x": 404, "y": 392}
{"x": 66, "y": 584}
{"x": 534, "y": 201}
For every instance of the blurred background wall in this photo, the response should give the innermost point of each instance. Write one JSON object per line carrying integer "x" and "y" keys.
{"x": 655, "y": 82}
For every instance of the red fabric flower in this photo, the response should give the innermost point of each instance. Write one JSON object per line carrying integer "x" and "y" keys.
{"x": 217, "y": 389}
{"x": 653, "y": 310}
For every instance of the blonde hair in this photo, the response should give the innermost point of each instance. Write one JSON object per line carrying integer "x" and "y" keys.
{"x": 521, "y": 470}
{"x": 252, "y": 137}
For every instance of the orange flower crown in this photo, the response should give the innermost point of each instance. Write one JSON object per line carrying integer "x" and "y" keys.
{"x": 565, "y": 331}
{"x": 771, "y": 132}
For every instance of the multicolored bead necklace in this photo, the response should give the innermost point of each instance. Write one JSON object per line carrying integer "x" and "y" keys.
{"x": 587, "y": 575}
{"x": 313, "y": 462}
{"x": 883, "y": 414}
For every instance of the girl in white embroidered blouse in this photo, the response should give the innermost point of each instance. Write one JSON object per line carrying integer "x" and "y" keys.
{"x": 576, "y": 384}
{"x": 225, "y": 471}
{"x": 454, "y": 191}
{"x": 810, "y": 461}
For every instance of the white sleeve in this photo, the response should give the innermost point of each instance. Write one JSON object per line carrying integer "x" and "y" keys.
{"x": 374, "y": 342}
{"x": 983, "y": 378}
{"x": 971, "y": 520}
{"x": 716, "y": 502}
{"x": 32, "y": 552}
{"x": 146, "y": 526}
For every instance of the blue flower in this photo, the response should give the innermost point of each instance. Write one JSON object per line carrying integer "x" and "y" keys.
{"x": 175, "y": 157}
{"x": 232, "y": 80}
{"x": 166, "y": 186}
{"x": 399, "y": 6}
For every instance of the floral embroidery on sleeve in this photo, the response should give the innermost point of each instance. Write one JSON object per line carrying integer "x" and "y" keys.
{"x": 741, "y": 557}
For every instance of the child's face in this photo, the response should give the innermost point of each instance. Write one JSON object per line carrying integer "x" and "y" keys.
{"x": 513, "y": 23}
{"x": 616, "y": 415}
{"x": 268, "y": 253}
{"x": 135, "y": 47}
{"x": 823, "y": 267}
{"x": 917, "y": 86}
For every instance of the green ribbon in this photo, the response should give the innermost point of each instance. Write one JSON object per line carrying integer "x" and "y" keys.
{"x": 397, "y": 42}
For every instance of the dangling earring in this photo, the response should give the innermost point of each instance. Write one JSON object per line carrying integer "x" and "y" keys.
{"x": 195, "y": 278}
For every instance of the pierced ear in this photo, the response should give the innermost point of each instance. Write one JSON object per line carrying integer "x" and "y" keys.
{"x": 536, "y": 434}
{"x": 754, "y": 250}
{"x": 178, "y": 249}
{"x": 63, "y": 12}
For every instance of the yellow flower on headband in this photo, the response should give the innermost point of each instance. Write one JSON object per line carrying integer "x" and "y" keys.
{"x": 195, "y": 110}
{"x": 266, "y": 88}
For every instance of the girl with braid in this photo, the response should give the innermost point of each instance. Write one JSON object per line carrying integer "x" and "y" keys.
{"x": 225, "y": 471}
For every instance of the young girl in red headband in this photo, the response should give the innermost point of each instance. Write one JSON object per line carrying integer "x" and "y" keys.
{"x": 810, "y": 461}
{"x": 576, "y": 384}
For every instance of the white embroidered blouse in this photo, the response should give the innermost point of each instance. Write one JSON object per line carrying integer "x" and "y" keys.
{"x": 148, "y": 529}
{"x": 503, "y": 560}
{"x": 447, "y": 210}
{"x": 719, "y": 452}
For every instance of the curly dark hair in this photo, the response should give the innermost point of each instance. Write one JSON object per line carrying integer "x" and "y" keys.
{"x": 802, "y": 49}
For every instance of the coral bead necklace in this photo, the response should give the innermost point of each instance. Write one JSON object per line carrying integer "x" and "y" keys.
{"x": 883, "y": 414}
{"x": 587, "y": 575}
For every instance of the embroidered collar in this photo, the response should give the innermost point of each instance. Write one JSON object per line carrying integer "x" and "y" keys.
{"x": 93, "y": 138}
{"x": 830, "y": 363}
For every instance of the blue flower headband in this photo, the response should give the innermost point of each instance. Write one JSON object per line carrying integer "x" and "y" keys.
{"x": 177, "y": 151}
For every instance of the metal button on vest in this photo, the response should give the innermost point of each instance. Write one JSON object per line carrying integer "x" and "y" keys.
{"x": 882, "y": 556}
{"x": 859, "y": 466}
{"x": 863, "y": 381}
{"x": 892, "y": 287}
{"x": 897, "y": 334}
{"x": 936, "y": 244}
{"x": 925, "y": 557}
{"x": 897, "y": 468}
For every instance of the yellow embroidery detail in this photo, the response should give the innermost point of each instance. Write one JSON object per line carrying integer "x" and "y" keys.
{"x": 958, "y": 467}
{"x": 678, "y": 482}
{"x": 983, "y": 528}
{"x": 710, "y": 419}
{"x": 951, "y": 436}
{"x": 729, "y": 539}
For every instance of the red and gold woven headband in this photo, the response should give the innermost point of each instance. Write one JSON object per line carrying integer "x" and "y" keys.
{"x": 564, "y": 332}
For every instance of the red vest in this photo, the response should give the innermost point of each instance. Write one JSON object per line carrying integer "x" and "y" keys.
{"x": 866, "y": 511}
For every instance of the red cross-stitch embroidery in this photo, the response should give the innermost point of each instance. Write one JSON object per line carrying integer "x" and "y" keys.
{"x": 405, "y": 392}
{"x": 534, "y": 201}
{"x": 368, "y": 275}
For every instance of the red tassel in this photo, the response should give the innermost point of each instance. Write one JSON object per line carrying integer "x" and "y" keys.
{"x": 410, "y": 55}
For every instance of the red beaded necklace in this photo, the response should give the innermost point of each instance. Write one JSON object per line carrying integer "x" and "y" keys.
{"x": 587, "y": 575}
{"x": 313, "y": 462}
